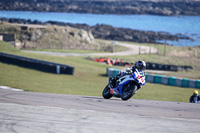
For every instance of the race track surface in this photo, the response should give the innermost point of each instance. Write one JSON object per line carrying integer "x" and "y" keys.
{"x": 30, "y": 112}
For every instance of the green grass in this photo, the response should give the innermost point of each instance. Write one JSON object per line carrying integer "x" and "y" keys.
{"x": 88, "y": 79}
{"x": 164, "y": 93}
{"x": 107, "y": 43}
{"x": 166, "y": 48}
{"x": 5, "y": 47}
{"x": 170, "y": 59}
{"x": 86, "y": 82}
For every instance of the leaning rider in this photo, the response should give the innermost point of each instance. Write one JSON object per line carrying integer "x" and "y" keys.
{"x": 140, "y": 66}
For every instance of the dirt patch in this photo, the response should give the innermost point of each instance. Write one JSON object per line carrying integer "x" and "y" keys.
{"x": 182, "y": 53}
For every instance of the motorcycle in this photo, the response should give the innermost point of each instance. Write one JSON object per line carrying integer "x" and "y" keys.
{"x": 126, "y": 86}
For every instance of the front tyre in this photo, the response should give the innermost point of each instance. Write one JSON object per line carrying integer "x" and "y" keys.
{"x": 106, "y": 93}
{"x": 128, "y": 91}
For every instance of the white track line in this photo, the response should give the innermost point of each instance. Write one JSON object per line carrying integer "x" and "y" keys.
{"x": 9, "y": 88}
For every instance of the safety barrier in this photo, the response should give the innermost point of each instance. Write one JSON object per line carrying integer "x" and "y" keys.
{"x": 164, "y": 80}
{"x": 161, "y": 79}
{"x": 178, "y": 82}
{"x": 112, "y": 72}
{"x": 150, "y": 78}
{"x": 157, "y": 79}
{"x": 149, "y": 65}
{"x": 197, "y": 84}
{"x": 40, "y": 65}
{"x": 156, "y": 66}
{"x": 192, "y": 83}
{"x": 173, "y": 81}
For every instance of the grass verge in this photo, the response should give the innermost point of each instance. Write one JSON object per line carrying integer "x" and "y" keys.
{"x": 88, "y": 79}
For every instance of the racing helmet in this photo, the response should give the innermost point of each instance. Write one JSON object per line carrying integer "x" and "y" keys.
{"x": 140, "y": 65}
{"x": 196, "y": 92}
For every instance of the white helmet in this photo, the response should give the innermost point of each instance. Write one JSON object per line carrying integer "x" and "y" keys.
{"x": 140, "y": 65}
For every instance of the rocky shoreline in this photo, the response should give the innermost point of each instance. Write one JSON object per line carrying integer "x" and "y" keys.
{"x": 153, "y": 7}
{"x": 108, "y": 32}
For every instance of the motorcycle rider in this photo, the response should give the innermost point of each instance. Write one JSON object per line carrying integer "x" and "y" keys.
{"x": 195, "y": 97}
{"x": 140, "y": 66}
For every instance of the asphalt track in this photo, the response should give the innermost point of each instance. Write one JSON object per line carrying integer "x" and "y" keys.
{"x": 30, "y": 112}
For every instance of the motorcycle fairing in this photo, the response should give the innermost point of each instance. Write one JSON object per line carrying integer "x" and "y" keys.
{"x": 136, "y": 76}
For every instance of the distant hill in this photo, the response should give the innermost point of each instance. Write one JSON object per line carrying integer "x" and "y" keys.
{"x": 103, "y": 32}
{"x": 49, "y": 37}
{"x": 155, "y": 7}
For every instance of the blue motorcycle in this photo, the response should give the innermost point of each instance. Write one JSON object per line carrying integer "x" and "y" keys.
{"x": 126, "y": 86}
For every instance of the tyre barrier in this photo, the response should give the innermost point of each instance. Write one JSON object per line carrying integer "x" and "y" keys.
{"x": 173, "y": 81}
{"x": 164, "y": 80}
{"x": 149, "y": 78}
{"x": 112, "y": 72}
{"x": 36, "y": 64}
{"x": 161, "y": 79}
{"x": 178, "y": 82}
{"x": 156, "y": 66}
{"x": 197, "y": 84}
{"x": 157, "y": 79}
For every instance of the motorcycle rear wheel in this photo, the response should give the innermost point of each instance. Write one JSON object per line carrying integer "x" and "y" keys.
{"x": 106, "y": 93}
{"x": 128, "y": 91}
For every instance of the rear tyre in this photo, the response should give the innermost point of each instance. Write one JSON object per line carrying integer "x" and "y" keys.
{"x": 106, "y": 93}
{"x": 128, "y": 91}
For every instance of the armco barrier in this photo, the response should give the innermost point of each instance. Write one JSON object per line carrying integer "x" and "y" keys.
{"x": 40, "y": 65}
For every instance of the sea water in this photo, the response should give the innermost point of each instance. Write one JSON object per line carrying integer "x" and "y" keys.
{"x": 183, "y": 25}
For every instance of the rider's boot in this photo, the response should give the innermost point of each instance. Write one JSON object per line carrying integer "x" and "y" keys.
{"x": 112, "y": 81}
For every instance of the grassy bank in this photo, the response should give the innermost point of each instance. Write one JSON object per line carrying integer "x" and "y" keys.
{"x": 89, "y": 79}
{"x": 181, "y": 56}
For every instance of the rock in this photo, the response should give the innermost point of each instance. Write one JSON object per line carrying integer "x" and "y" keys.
{"x": 155, "y": 7}
{"x": 124, "y": 34}
{"x": 50, "y": 36}
{"x": 88, "y": 33}
{"x": 85, "y": 36}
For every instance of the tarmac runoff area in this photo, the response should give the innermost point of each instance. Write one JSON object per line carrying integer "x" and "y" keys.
{"x": 30, "y": 112}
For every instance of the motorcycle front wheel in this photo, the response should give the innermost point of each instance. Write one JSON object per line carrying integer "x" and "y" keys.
{"x": 128, "y": 91}
{"x": 106, "y": 93}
